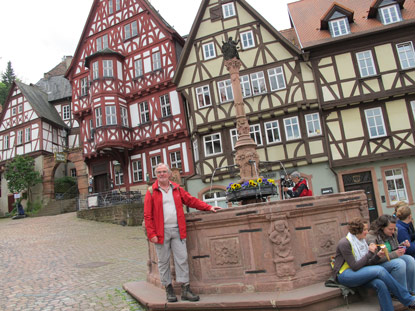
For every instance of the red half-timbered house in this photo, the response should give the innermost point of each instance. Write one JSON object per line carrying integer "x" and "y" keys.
{"x": 130, "y": 115}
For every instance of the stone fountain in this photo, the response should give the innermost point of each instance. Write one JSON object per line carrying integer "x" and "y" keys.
{"x": 262, "y": 256}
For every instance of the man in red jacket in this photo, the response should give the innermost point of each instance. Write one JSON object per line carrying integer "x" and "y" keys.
{"x": 166, "y": 227}
{"x": 300, "y": 189}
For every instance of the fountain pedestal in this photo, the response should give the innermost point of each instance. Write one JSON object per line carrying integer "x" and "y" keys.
{"x": 270, "y": 247}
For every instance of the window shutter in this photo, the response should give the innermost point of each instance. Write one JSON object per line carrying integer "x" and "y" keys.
{"x": 216, "y": 13}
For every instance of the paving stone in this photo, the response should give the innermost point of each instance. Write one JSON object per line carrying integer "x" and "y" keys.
{"x": 65, "y": 263}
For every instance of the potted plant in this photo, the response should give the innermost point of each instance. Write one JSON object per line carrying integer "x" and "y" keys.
{"x": 252, "y": 189}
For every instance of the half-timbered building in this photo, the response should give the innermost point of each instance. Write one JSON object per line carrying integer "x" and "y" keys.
{"x": 131, "y": 117}
{"x": 29, "y": 125}
{"x": 278, "y": 92}
{"x": 363, "y": 61}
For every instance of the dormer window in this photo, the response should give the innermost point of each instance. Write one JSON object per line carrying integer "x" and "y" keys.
{"x": 390, "y": 14}
{"x": 339, "y": 27}
{"x": 337, "y": 20}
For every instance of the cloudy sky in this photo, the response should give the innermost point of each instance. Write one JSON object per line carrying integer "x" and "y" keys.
{"x": 35, "y": 35}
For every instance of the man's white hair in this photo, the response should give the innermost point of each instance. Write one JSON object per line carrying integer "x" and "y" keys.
{"x": 162, "y": 164}
{"x": 295, "y": 174}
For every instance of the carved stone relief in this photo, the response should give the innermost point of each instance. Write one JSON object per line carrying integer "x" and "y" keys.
{"x": 226, "y": 252}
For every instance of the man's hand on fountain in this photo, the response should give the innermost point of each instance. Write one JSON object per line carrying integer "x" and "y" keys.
{"x": 215, "y": 208}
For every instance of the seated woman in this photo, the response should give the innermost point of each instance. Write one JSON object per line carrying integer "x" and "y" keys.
{"x": 411, "y": 225}
{"x": 405, "y": 230}
{"x": 400, "y": 266}
{"x": 355, "y": 265}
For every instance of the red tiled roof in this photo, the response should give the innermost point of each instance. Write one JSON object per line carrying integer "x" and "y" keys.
{"x": 306, "y": 17}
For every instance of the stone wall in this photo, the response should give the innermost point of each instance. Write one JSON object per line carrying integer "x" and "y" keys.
{"x": 126, "y": 214}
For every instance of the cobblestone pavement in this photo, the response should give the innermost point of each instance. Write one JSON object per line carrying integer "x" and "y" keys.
{"x": 65, "y": 263}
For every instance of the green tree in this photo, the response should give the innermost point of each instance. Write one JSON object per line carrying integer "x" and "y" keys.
{"x": 7, "y": 79}
{"x": 3, "y": 93}
{"x": 21, "y": 175}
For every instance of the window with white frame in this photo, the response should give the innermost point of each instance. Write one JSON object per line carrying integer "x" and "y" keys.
{"x": 91, "y": 129}
{"x": 95, "y": 71}
{"x": 84, "y": 86}
{"x": 119, "y": 175}
{"x": 234, "y": 137}
{"x": 137, "y": 171}
{"x": 390, "y": 14}
{"x": 216, "y": 198}
{"x": 258, "y": 83}
{"x": 66, "y": 112}
{"x": 6, "y": 142}
{"x": 130, "y": 30}
{"x": 272, "y": 132}
{"x": 212, "y": 144}
{"x": 154, "y": 161}
{"x": 124, "y": 116}
{"x": 165, "y": 105}
{"x": 203, "y": 96}
{"x": 14, "y": 111}
{"x": 375, "y": 123}
{"x": 339, "y": 27}
{"x": 73, "y": 172}
{"x": 20, "y": 108}
{"x": 156, "y": 61}
{"x": 292, "y": 128}
{"x": 108, "y": 68}
{"x": 312, "y": 122}
{"x": 98, "y": 117}
{"x": 176, "y": 160}
{"x": 366, "y": 64}
{"x": 225, "y": 91}
{"x": 102, "y": 43}
{"x": 396, "y": 185}
{"x": 144, "y": 112}
{"x": 110, "y": 7}
{"x": 413, "y": 108}
{"x": 27, "y": 137}
{"x": 20, "y": 137}
{"x": 118, "y": 5}
{"x": 406, "y": 54}
{"x": 255, "y": 131}
{"x": 110, "y": 115}
{"x": 247, "y": 39}
{"x": 228, "y": 10}
{"x": 209, "y": 51}
{"x": 196, "y": 150}
{"x": 276, "y": 78}
{"x": 245, "y": 86}
{"x": 138, "y": 66}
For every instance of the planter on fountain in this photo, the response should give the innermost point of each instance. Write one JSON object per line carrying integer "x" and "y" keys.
{"x": 258, "y": 193}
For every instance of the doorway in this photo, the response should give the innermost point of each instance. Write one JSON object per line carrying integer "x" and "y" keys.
{"x": 363, "y": 181}
{"x": 101, "y": 183}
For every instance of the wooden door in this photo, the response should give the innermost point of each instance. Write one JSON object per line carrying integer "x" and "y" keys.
{"x": 101, "y": 183}
{"x": 10, "y": 202}
{"x": 363, "y": 181}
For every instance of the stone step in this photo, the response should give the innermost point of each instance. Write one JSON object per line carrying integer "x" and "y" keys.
{"x": 315, "y": 297}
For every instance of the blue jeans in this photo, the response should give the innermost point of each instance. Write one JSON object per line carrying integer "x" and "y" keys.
{"x": 403, "y": 270}
{"x": 378, "y": 278}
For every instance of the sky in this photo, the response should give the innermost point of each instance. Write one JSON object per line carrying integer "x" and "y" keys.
{"x": 36, "y": 35}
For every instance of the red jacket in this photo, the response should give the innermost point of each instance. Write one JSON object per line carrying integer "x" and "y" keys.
{"x": 305, "y": 192}
{"x": 153, "y": 210}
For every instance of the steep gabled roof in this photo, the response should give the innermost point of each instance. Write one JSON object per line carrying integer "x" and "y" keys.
{"x": 89, "y": 21}
{"x": 306, "y": 17}
{"x": 197, "y": 21}
{"x": 39, "y": 102}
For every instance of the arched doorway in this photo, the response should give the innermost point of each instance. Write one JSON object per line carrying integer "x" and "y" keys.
{"x": 51, "y": 163}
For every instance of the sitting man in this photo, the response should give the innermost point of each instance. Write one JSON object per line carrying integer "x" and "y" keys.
{"x": 300, "y": 188}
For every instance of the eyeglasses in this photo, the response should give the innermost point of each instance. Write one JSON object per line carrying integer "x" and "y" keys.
{"x": 161, "y": 172}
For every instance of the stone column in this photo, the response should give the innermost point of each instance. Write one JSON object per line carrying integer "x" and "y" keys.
{"x": 246, "y": 156}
